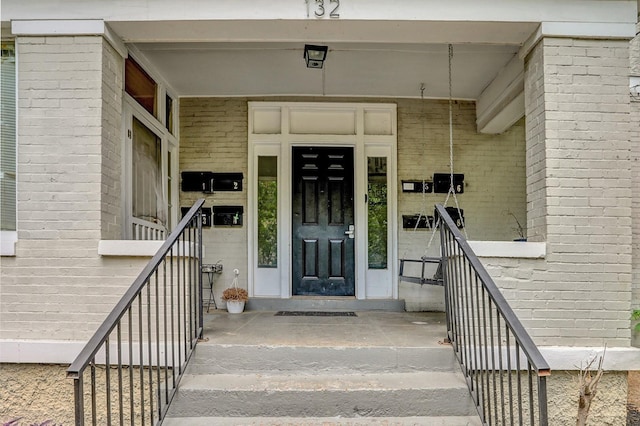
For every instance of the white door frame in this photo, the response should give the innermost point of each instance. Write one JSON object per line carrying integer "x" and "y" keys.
{"x": 274, "y": 128}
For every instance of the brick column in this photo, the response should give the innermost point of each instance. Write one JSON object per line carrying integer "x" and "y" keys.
{"x": 579, "y": 189}
{"x": 69, "y": 103}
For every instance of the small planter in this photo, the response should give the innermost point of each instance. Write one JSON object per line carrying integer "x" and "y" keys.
{"x": 235, "y": 296}
{"x": 235, "y": 306}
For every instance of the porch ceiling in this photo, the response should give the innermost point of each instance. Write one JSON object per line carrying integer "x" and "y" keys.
{"x": 365, "y": 59}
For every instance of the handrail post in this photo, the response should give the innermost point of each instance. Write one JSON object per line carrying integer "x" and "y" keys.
{"x": 199, "y": 263}
{"x": 78, "y": 395}
{"x": 542, "y": 400}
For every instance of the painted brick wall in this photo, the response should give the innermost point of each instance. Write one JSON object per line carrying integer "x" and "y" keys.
{"x": 494, "y": 171}
{"x": 635, "y": 176}
{"x": 112, "y": 87}
{"x": 535, "y": 138}
{"x": 69, "y": 101}
{"x": 583, "y": 289}
{"x": 59, "y": 146}
{"x": 214, "y": 137}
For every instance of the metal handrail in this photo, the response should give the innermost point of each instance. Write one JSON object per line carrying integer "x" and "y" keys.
{"x": 488, "y": 339}
{"x": 173, "y": 273}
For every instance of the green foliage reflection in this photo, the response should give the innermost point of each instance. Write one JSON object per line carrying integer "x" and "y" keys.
{"x": 267, "y": 223}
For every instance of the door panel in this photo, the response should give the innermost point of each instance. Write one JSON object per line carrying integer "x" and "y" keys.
{"x": 323, "y": 255}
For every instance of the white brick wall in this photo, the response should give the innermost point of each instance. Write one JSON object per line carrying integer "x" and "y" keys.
{"x": 59, "y": 128}
{"x": 213, "y": 137}
{"x": 535, "y": 137}
{"x": 579, "y": 170}
{"x": 635, "y": 177}
{"x": 112, "y": 87}
{"x": 69, "y": 102}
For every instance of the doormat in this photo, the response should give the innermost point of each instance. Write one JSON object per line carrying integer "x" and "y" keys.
{"x": 314, "y": 314}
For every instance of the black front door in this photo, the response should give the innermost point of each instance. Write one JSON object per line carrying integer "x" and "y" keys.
{"x": 323, "y": 244}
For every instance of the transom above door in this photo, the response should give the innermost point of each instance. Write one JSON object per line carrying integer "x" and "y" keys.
{"x": 311, "y": 167}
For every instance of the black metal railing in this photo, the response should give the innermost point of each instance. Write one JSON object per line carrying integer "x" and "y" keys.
{"x": 505, "y": 371}
{"x": 134, "y": 361}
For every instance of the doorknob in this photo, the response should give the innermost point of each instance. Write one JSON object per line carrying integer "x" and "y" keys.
{"x": 351, "y": 231}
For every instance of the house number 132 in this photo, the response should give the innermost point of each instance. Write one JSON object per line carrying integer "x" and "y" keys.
{"x": 332, "y": 8}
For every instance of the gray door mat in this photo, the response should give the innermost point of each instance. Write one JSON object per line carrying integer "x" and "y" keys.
{"x": 314, "y": 314}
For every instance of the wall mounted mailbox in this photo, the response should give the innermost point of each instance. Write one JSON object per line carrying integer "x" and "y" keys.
{"x": 456, "y": 215}
{"x": 196, "y": 181}
{"x": 417, "y": 186}
{"x": 206, "y": 215}
{"x": 227, "y": 215}
{"x": 441, "y": 183}
{"x": 226, "y": 181}
{"x": 209, "y": 182}
{"x": 422, "y": 221}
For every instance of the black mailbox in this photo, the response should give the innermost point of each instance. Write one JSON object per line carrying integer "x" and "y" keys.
{"x": 417, "y": 186}
{"x": 417, "y": 221}
{"x": 210, "y": 182}
{"x": 456, "y": 214}
{"x": 227, "y": 215}
{"x": 196, "y": 181}
{"x": 226, "y": 181}
{"x": 441, "y": 183}
{"x": 206, "y": 215}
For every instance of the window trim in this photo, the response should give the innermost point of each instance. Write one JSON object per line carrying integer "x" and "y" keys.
{"x": 169, "y": 143}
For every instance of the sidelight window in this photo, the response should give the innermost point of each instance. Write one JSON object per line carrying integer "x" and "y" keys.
{"x": 267, "y": 212}
{"x": 377, "y": 212}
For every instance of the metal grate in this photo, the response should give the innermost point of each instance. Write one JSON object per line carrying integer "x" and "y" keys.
{"x": 314, "y": 314}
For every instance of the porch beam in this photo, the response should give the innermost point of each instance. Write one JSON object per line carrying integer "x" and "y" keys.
{"x": 501, "y": 104}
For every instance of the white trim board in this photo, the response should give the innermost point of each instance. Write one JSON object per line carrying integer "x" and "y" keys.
{"x": 8, "y": 240}
{"x": 509, "y": 249}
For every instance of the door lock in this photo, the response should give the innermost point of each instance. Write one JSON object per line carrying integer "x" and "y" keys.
{"x": 351, "y": 231}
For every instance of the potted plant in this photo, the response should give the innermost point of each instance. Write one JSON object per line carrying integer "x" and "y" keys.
{"x": 234, "y": 296}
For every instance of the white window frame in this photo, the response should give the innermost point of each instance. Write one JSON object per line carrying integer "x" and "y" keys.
{"x": 169, "y": 143}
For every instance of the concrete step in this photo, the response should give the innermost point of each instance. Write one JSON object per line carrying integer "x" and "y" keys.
{"x": 319, "y": 304}
{"x": 219, "y": 358}
{"x": 325, "y": 421}
{"x": 431, "y": 394}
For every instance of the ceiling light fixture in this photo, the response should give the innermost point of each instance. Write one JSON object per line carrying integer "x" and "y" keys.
{"x": 314, "y": 56}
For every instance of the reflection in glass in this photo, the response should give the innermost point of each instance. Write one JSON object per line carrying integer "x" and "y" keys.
{"x": 267, "y": 212}
{"x": 377, "y": 212}
{"x": 147, "y": 197}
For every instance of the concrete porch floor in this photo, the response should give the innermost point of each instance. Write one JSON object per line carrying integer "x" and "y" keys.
{"x": 367, "y": 329}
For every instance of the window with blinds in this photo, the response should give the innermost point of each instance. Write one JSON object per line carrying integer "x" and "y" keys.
{"x": 8, "y": 138}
